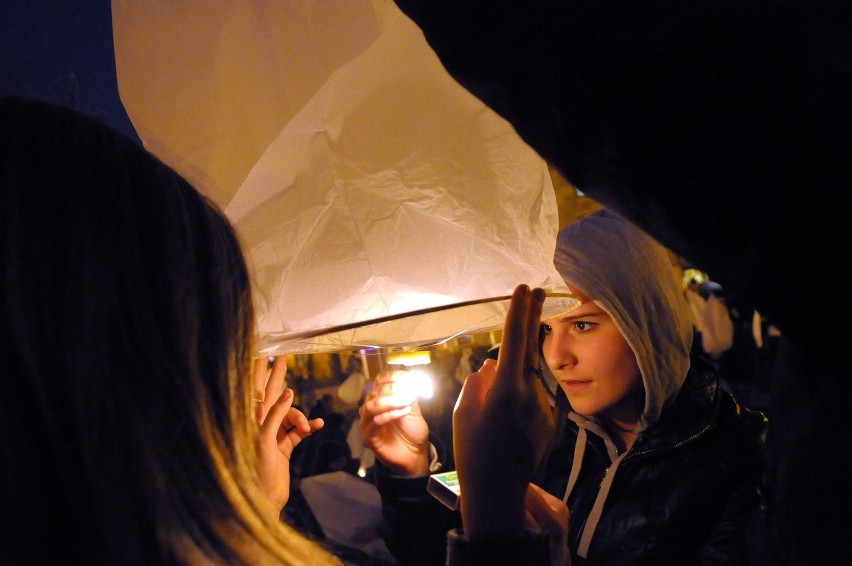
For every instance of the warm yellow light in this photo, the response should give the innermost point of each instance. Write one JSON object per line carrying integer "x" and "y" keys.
{"x": 410, "y": 358}
{"x": 691, "y": 273}
{"x": 415, "y": 383}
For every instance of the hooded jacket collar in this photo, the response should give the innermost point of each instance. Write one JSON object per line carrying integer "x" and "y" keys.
{"x": 632, "y": 278}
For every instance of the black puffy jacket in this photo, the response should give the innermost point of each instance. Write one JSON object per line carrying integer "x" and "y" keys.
{"x": 664, "y": 504}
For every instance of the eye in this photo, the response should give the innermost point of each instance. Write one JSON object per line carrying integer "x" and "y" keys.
{"x": 546, "y": 328}
{"x": 583, "y": 326}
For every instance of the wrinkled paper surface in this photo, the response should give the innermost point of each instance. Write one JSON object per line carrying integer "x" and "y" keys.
{"x": 365, "y": 183}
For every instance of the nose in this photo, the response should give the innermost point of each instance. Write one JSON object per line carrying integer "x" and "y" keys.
{"x": 557, "y": 350}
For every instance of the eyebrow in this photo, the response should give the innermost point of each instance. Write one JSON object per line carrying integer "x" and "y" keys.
{"x": 574, "y": 315}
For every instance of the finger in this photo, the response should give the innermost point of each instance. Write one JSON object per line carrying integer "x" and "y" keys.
{"x": 296, "y": 434}
{"x": 394, "y": 391}
{"x": 385, "y": 417}
{"x": 370, "y": 418}
{"x": 475, "y": 388}
{"x": 547, "y": 512}
{"x": 385, "y": 382}
{"x": 258, "y": 387}
{"x": 316, "y": 424}
{"x": 388, "y": 402}
{"x": 471, "y": 399}
{"x": 513, "y": 345}
{"x": 384, "y": 376}
{"x": 489, "y": 366}
{"x": 278, "y": 411}
{"x": 275, "y": 383}
{"x": 536, "y": 303}
{"x": 541, "y": 514}
{"x": 297, "y": 419}
{"x": 261, "y": 366}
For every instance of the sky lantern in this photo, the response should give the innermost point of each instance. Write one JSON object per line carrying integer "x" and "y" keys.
{"x": 380, "y": 203}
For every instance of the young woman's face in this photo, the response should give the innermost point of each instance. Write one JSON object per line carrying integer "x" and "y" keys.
{"x": 593, "y": 363}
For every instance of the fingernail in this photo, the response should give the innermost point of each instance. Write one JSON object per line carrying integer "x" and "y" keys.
{"x": 287, "y": 393}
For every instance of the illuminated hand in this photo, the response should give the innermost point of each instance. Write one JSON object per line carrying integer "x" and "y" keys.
{"x": 282, "y": 428}
{"x": 502, "y": 424}
{"x": 393, "y": 426}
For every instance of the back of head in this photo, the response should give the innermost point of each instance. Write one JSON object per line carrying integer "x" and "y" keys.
{"x": 126, "y": 326}
{"x": 631, "y": 277}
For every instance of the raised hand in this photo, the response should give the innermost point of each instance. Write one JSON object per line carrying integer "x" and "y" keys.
{"x": 502, "y": 424}
{"x": 282, "y": 428}
{"x": 393, "y": 426}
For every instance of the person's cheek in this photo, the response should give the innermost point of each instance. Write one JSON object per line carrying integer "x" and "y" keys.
{"x": 546, "y": 343}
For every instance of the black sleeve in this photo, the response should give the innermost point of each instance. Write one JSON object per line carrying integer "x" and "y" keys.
{"x": 532, "y": 550}
{"x": 416, "y": 524}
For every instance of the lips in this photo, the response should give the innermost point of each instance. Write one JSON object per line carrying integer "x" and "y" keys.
{"x": 575, "y": 385}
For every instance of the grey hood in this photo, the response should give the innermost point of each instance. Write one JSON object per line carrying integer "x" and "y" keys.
{"x": 631, "y": 277}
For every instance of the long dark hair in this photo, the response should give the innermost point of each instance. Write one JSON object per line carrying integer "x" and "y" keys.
{"x": 126, "y": 428}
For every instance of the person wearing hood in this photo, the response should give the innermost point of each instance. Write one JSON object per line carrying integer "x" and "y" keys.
{"x": 723, "y": 129}
{"x": 656, "y": 463}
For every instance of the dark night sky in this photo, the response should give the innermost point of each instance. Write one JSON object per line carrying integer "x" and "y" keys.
{"x": 62, "y": 51}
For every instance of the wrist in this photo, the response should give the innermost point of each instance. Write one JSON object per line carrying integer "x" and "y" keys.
{"x": 422, "y": 464}
{"x": 487, "y": 515}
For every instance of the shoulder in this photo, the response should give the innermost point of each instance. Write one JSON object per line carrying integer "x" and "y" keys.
{"x": 739, "y": 419}
{"x": 702, "y": 405}
{"x": 700, "y": 388}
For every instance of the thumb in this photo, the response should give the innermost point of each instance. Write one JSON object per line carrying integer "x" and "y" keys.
{"x": 476, "y": 387}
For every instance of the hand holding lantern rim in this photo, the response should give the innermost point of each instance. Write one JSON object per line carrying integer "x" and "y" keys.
{"x": 502, "y": 424}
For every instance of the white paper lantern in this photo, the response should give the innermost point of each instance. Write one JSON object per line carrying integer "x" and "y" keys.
{"x": 388, "y": 208}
